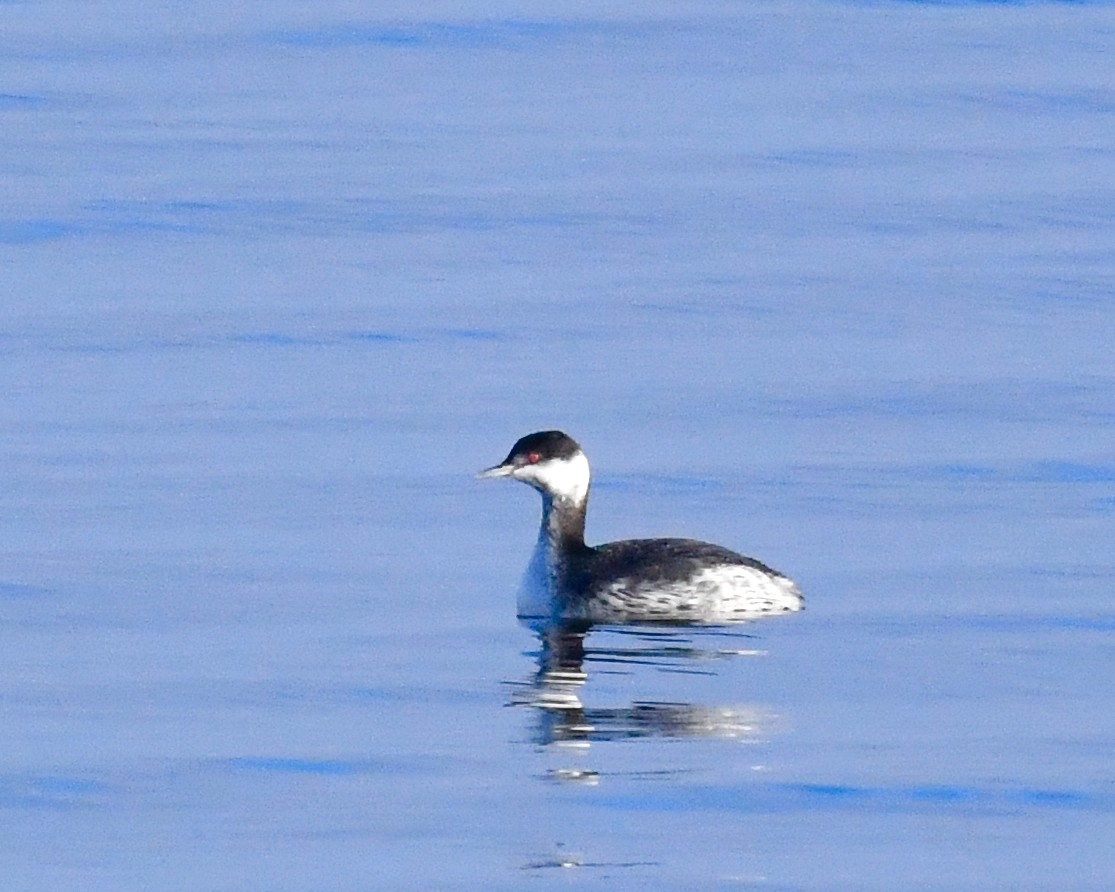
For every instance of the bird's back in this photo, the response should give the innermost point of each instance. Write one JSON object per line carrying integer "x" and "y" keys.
{"x": 672, "y": 581}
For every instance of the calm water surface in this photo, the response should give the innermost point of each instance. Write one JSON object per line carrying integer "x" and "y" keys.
{"x": 827, "y": 283}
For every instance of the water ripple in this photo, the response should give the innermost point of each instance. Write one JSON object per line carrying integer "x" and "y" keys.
{"x": 767, "y": 798}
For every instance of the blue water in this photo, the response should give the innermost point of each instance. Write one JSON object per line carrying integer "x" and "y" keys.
{"x": 827, "y": 283}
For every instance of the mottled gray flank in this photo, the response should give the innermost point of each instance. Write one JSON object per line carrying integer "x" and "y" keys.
{"x": 673, "y": 580}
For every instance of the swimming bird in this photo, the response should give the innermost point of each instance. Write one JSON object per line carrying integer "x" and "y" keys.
{"x": 677, "y": 581}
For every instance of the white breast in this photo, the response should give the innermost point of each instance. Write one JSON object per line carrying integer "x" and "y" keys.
{"x": 536, "y": 591}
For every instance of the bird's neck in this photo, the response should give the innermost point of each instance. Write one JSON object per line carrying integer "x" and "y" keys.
{"x": 563, "y": 522}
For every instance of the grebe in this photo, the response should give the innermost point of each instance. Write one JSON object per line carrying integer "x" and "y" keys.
{"x": 633, "y": 581}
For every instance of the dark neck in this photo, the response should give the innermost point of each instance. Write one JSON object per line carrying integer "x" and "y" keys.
{"x": 563, "y": 522}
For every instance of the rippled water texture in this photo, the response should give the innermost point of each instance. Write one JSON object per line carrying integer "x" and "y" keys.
{"x": 829, "y": 284}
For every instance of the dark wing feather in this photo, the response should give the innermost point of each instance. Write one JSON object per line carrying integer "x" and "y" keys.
{"x": 661, "y": 560}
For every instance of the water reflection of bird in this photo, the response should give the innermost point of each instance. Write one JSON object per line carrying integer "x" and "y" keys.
{"x": 555, "y": 692}
{"x": 635, "y": 580}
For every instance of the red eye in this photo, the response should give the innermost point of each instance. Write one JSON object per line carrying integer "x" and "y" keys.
{"x": 533, "y": 458}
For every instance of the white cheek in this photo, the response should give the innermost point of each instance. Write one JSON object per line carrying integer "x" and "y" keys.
{"x": 564, "y": 478}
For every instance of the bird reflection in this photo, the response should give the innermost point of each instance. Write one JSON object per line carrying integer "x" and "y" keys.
{"x": 556, "y": 688}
